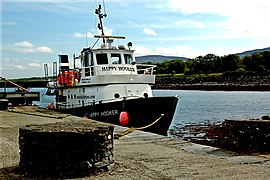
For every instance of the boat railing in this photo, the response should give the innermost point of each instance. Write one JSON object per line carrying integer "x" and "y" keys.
{"x": 73, "y": 77}
{"x": 146, "y": 69}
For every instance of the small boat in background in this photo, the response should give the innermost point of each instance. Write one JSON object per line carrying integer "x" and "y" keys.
{"x": 109, "y": 86}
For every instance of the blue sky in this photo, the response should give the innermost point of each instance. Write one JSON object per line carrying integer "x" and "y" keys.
{"x": 34, "y": 32}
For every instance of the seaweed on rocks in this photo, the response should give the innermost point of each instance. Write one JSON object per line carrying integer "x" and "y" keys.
{"x": 251, "y": 135}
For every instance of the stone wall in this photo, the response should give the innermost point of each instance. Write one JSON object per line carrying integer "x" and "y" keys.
{"x": 65, "y": 149}
{"x": 246, "y": 136}
{"x": 213, "y": 83}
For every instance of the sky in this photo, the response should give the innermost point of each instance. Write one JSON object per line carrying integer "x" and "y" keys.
{"x": 35, "y": 32}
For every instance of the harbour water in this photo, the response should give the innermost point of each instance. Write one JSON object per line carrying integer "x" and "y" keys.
{"x": 216, "y": 106}
{"x": 205, "y": 106}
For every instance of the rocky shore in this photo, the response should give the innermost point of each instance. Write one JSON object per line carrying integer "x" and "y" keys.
{"x": 236, "y": 135}
{"x": 214, "y": 83}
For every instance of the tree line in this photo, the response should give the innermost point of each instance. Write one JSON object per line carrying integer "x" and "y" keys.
{"x": 258, "y": 62}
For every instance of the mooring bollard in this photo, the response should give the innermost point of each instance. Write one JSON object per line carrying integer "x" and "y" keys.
{"x": 66, "y": 149}
{"x": 3, "y": 104}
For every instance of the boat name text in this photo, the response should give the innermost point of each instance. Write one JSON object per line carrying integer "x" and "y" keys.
{"x": 86, "y": 97}
{"x": 119, "y": 68}
{"x": 103, "y": 113}
{"x": 86, "y": 80}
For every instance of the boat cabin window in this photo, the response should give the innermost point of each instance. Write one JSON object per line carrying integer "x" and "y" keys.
{"x": 91, "y": 59}
{"x": 87, "y": 57}
{"x": 92, "y": 70}
{"x": 102, "y": 58}
{"x": 128, "y": 58}
{"x": 115, "y": 59}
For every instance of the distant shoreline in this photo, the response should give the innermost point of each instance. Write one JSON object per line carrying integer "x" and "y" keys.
{"x": 212, "y": 83}
{"x": 213, "y": 87}
{"x": 187, "y": 83}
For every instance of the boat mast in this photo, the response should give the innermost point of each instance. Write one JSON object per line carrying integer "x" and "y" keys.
{"x": 100, "y": 24}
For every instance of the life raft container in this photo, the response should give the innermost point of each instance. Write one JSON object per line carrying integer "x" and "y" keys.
{"x": 66, "y": 78}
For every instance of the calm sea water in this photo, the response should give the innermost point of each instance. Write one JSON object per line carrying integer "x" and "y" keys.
{"x": 205, "y": 106}
{"x": 216, "y": 106}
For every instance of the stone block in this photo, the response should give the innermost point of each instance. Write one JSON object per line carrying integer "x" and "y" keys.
{"x": 246, "y": 135}
{"x": 65, "y": 149}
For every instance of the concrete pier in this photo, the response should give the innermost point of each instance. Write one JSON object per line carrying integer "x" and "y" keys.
{"x": 139, "y": 155}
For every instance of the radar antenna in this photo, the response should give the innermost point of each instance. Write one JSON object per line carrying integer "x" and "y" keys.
{"x": 100, "y": 16}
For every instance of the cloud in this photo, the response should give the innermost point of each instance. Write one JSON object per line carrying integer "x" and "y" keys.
{"x": 149, "y": 31}
{"x": 34, "y": 65}
{"x": 59, "y": 1}
{"x": 24, "y": 44}
{"x": 241, "y": 18}
{"x": 20, "y": 67}
{"x": 133, "y": 23}
{"x": 8, "y": 23}
{"x": 175, "y": 51}
{"x": 187, "y": 51}
{"x": 25, "y": 50}
{"x": 83, "y": 35}
{"x": 220, "y": 7}
{"x": 107, "y": 31}
{"x": 190, "y": 23}
{"x": 27, "y": 47}
{"x": 43, "y": 49}
{"x": 248, "y": 26}
{"x": 36, "y": 1}
{"x": 141, "y": 50}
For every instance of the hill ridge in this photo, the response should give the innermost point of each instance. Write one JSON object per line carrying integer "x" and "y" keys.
{"x": 162, "y": 58}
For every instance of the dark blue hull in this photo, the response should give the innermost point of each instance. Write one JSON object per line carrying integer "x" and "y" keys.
{"x": 141, "y": 111}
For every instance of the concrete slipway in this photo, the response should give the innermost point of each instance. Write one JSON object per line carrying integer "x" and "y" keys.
{"x": 139, "y": 155}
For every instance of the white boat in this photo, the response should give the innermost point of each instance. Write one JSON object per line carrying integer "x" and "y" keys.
{"x": 110, "y": 86}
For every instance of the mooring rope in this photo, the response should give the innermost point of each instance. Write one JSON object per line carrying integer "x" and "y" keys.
{"x": 130, "y": 130}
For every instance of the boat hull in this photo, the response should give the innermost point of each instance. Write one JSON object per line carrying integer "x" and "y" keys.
{"x": 141, "y": 112}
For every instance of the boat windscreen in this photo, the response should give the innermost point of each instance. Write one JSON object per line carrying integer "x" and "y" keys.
{"x": 115, "y": 59}
{"x": 102, "y": 58}
{"x": 128, "y": 58}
